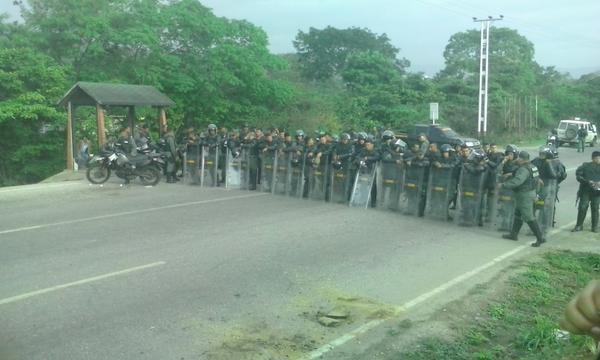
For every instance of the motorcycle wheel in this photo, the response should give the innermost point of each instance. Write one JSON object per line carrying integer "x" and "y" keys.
{"x": 149, "y": 176}
{"x": 97, "y": 174}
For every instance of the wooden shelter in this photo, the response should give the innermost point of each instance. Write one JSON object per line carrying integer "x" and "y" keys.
{"x": 102, "y": 95}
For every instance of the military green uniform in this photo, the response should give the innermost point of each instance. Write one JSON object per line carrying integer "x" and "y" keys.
{"x": 587, "y": 195}
{"x": 523, "y": 183}
{"x": 581, "y": 135}
{"x": 170, "y": 151}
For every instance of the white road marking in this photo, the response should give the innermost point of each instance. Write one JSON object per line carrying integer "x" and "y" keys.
{"x": 133, "y": 212}
{"x": 79, "y": 282}
{"x": 418, "y": 300}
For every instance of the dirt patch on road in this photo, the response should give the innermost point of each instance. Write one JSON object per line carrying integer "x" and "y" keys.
{"x": 320, "y": 317}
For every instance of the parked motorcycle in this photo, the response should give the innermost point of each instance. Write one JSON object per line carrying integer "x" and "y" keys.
{"x": 127, "y": 167}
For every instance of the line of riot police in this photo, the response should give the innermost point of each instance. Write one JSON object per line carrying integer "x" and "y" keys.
{"x": 460, "y": 184}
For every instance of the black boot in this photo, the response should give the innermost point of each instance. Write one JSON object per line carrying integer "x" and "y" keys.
{"x": 594, "y": 221}
{"x": 535, "y": 227}
{"x": 514, "y": 232}
{"x": 580, "y": 218}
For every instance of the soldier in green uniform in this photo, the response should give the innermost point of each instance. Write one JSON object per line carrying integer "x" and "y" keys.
{"x": 368, "y": 156}
{"x": 523, "y": 183}
{"x": 170, "y": 151}
{"x": 588, "y": 175}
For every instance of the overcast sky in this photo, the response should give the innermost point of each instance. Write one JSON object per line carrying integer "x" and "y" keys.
{"x": 566, "y": 34}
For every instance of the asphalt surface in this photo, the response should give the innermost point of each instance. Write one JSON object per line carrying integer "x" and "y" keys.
{"x": 179, "y": 272}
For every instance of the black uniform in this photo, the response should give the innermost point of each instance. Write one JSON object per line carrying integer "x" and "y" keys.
{"x": 588, "y": 194}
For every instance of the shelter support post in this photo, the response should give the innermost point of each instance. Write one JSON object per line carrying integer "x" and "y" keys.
{"x": 70, "y": 160}
{"x": 100, "y": 126}
{"x": 162, "y": 119}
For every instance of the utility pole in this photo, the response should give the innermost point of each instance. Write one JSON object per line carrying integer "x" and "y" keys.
{"x": 484, "y": 52}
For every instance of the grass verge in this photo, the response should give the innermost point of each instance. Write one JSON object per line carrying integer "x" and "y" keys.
{"x": 517, "y": 318}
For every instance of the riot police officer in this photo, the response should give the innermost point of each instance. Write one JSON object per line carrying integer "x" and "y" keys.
{"x": 509, "y": 164}
{"x": 170, "y": 151}
{"x": 588, "y": 176}
{"x": 523, "y": 183}
{"x": 367, "y": 157}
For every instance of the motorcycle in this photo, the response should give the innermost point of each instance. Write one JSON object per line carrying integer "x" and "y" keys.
{"x": 126, "y": 167}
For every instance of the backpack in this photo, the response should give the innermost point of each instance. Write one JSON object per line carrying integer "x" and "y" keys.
{"x": 561, "y": 172}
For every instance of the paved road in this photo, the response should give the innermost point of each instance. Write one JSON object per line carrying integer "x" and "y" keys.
{"x": 178, "y": 272}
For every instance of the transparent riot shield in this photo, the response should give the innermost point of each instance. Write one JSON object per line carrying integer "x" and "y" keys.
{"x": 209, "y": 165}
{"x": 233, "y": 175}
{"x": 503, "y": 210}
{"x": 244, "y": 169}
{"x": 192, "y": 164}
{"x": 296, "y": 175}
{"x": 340, "y": 181}
{"x": 545, "y": 205}
{"x": 317, "y": 179}
{"x": 389, "y": 185}
{"x": 268, "y": 166}
{"x": 363, "y": 184}
{"x": 411, "y": 197}
{"x": 469, "y": 201}
{"x": 440, "y": 191}
{"x": 281, "y": 182}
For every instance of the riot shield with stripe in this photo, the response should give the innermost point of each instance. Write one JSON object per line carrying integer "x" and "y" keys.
{"x": 296, "y": 175}
{"x": 470, "y": 195}
{"x": 281, "y": 182}
{"x": 389, "y": 185}
{"x": 503, "y": 210}
{"x": 340, "y": 182}
{"x": 412, "y": 195}
{"x": 545, "y": 205}
{"x": 244, "y": 169}
{"x": 363, "y": 184}
{"x": 191, "y": 164}
{"x": 209, "y": 165}
{"x": 233, "y": 175}
{"x": 440, "y": 191}
{"x": 317, "y": 178}
{"x": 269, "y": 164}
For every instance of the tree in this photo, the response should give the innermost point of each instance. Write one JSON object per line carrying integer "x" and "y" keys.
{"x": 323, "y": 53}
{"x": 217, "y": 70}
{"x": 512, "y": 79}
{"x": 32, "y": 145}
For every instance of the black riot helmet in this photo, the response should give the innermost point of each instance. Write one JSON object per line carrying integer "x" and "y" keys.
{"x": 299, "y": 133}
{"x": 511, "y": 149}
{"x": 546, "y": 152}
{"x": 361, "y": 136}
{"x": 387, "y": 135}
{"x": 477, "y": 156}
{"x": 399, "y": 145}
{"x": 446, "y": 148}
{"x": 345, "y": 136}
{"x": 212, "y": 128}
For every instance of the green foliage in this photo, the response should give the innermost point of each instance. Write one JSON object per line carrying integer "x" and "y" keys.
{"x": 521, "y": 323}
{"x": 30, "y": 84}
{"x": 220, "y": 70}
{"x": 323, "y": 54}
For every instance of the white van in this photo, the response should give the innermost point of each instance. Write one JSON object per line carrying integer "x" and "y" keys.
{"x": 567, "y": 132}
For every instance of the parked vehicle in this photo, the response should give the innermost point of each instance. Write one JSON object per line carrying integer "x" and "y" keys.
{"x": 567, "y": 132}
{"x": 440, "y": 135}
{"x": 127, "y": 167}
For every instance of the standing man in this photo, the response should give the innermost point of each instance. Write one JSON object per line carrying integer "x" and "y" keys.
{"x": 588, "y": 175}
{"x": 523, "y": 183}
{"x": 170, "y": 152}
{"x": 423, "y": 144}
